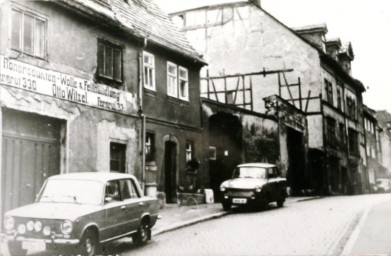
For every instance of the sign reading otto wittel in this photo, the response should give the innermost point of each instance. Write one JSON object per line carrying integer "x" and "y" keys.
{"x": 52, "y": 83}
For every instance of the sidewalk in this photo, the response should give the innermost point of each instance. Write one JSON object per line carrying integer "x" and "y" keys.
{"x": 175, "y": 216}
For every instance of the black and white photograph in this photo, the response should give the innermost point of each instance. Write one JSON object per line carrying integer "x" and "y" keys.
{"x": 195, "y": 127}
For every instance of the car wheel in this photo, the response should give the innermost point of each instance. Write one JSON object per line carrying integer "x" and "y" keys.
{"x": 15, "y": 249}
{"x": 280, "y": 203}
{"x": 227, "y": 206}
{"x": 89, "y": 243}
{"x": 143, "y": 233}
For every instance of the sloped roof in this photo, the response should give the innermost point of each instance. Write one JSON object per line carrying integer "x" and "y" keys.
{"x": 143, "y": 18}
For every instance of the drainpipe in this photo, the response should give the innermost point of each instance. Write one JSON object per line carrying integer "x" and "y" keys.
{"x": 142, "y": 116}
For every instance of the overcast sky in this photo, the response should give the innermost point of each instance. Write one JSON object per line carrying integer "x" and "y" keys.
{"x": 365, "y": 23}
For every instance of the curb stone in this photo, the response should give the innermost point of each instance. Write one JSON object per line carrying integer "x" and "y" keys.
{"x": 189, "y": 223}
{"x": 209, "y": 217}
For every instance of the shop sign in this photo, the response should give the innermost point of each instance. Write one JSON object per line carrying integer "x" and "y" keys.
{"x": 67, "y": 87}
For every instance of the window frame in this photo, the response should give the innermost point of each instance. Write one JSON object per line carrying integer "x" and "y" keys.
{"x": 189, "y": 151}
{"x": 175, "y": 77}
{"x": 353, "y": 141}
{"x": 105, "y": 43}
{"x": 178, "y": 80}
{"x": 186, "y": 80}
{"x": 150, "y": 156}
{"x": 121, "y": 161}
{"x": 151, "y": 67}
{"x": 329, "y": 91}
{"x": 21, "y": 33}
{"x": 331, "y": 129}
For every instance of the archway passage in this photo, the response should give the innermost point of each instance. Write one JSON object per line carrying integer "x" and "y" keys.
{"x": 225, "y": 131}
{"x": 296, "y": 168}
{"x": 170, "y": 149}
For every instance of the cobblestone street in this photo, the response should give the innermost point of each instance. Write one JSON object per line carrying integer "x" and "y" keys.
{"x": 316, "y": 227}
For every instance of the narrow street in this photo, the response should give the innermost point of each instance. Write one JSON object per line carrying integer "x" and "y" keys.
{"x": 315, "y": 227}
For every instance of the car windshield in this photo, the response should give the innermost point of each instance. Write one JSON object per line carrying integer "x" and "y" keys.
{"x": 73, "y": 191}
{"x": 250, "y": 172}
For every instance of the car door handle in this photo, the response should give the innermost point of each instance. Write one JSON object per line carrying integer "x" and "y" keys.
{"x": 141, "y": 203}
{"x": 123, "y": 207}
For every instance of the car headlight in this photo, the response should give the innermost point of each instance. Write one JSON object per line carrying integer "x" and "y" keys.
{"x": 222, "y": 188}
{"x": 258, "y": 189}
{"x": 30, "y": 225}
{"x": 9, "y": 223}
{"x": 21, "y": 229}
{"x": 46, "y": 230}
{"x": 38, "y": 226}
{"x": 66, "y": 227}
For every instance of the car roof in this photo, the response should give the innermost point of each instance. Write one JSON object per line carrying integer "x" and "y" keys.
{"x": 263, "y": 165}
{"x": 96, "y": 176}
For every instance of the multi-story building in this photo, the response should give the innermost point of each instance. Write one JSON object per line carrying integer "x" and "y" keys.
{"x": 373, "y": 161}
{"x": 310, "y": 72}
{"x": 384, "y": 120}
{"x": 82, "y": 82}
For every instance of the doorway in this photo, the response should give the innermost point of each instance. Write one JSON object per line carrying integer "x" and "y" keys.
{"x": 296, "y": 168}
{"x": 170, "y": 155}
{"x": 30, "y": 154}
{"x": 226, "y": 136}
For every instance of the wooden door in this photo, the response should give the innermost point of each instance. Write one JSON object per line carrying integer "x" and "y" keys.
{"x": 30, "y": 154}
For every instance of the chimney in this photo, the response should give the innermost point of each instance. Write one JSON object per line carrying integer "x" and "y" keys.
{"x": 256, "y": 2}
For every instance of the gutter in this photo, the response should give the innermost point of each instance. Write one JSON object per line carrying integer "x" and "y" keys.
{"x": 140, "y": 111}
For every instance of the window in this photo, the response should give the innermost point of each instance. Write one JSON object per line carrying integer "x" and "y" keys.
{"x": 128, "y": 189}
{"x": 351, "y": 107}
{"x": 353, "y": 141}
{"x": 330, "y": 126}
{"x": 339, "y": 98}
{"x": 329, "y": 91}
{"x": 183, "y": 84}
{"x": 172, "y": 80}
{"x": 173, "y": 76}
{"x": 149, "y": 71}
{"x": 212, "y": 153}
{"x": 109, "y": 61}
{"x": 117, "y": 157}
{"x": 112, "y": 191}
{"x": 150, "y": 147}
{"x": 189, "y": 151}
{"x": 28, "y": 34}
{"x": 342, "y": 135}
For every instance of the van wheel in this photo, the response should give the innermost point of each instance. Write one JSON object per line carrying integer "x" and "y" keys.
{"x": 143, "y": 233}
{"x": 15, "y": 249}
{"x": 280, "y": 203}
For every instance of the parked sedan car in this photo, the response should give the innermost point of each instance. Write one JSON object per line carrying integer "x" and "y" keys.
{"x": 78, "y": 212}
{"x": 383, "y": 185}
{"x": 255, "y": 184}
